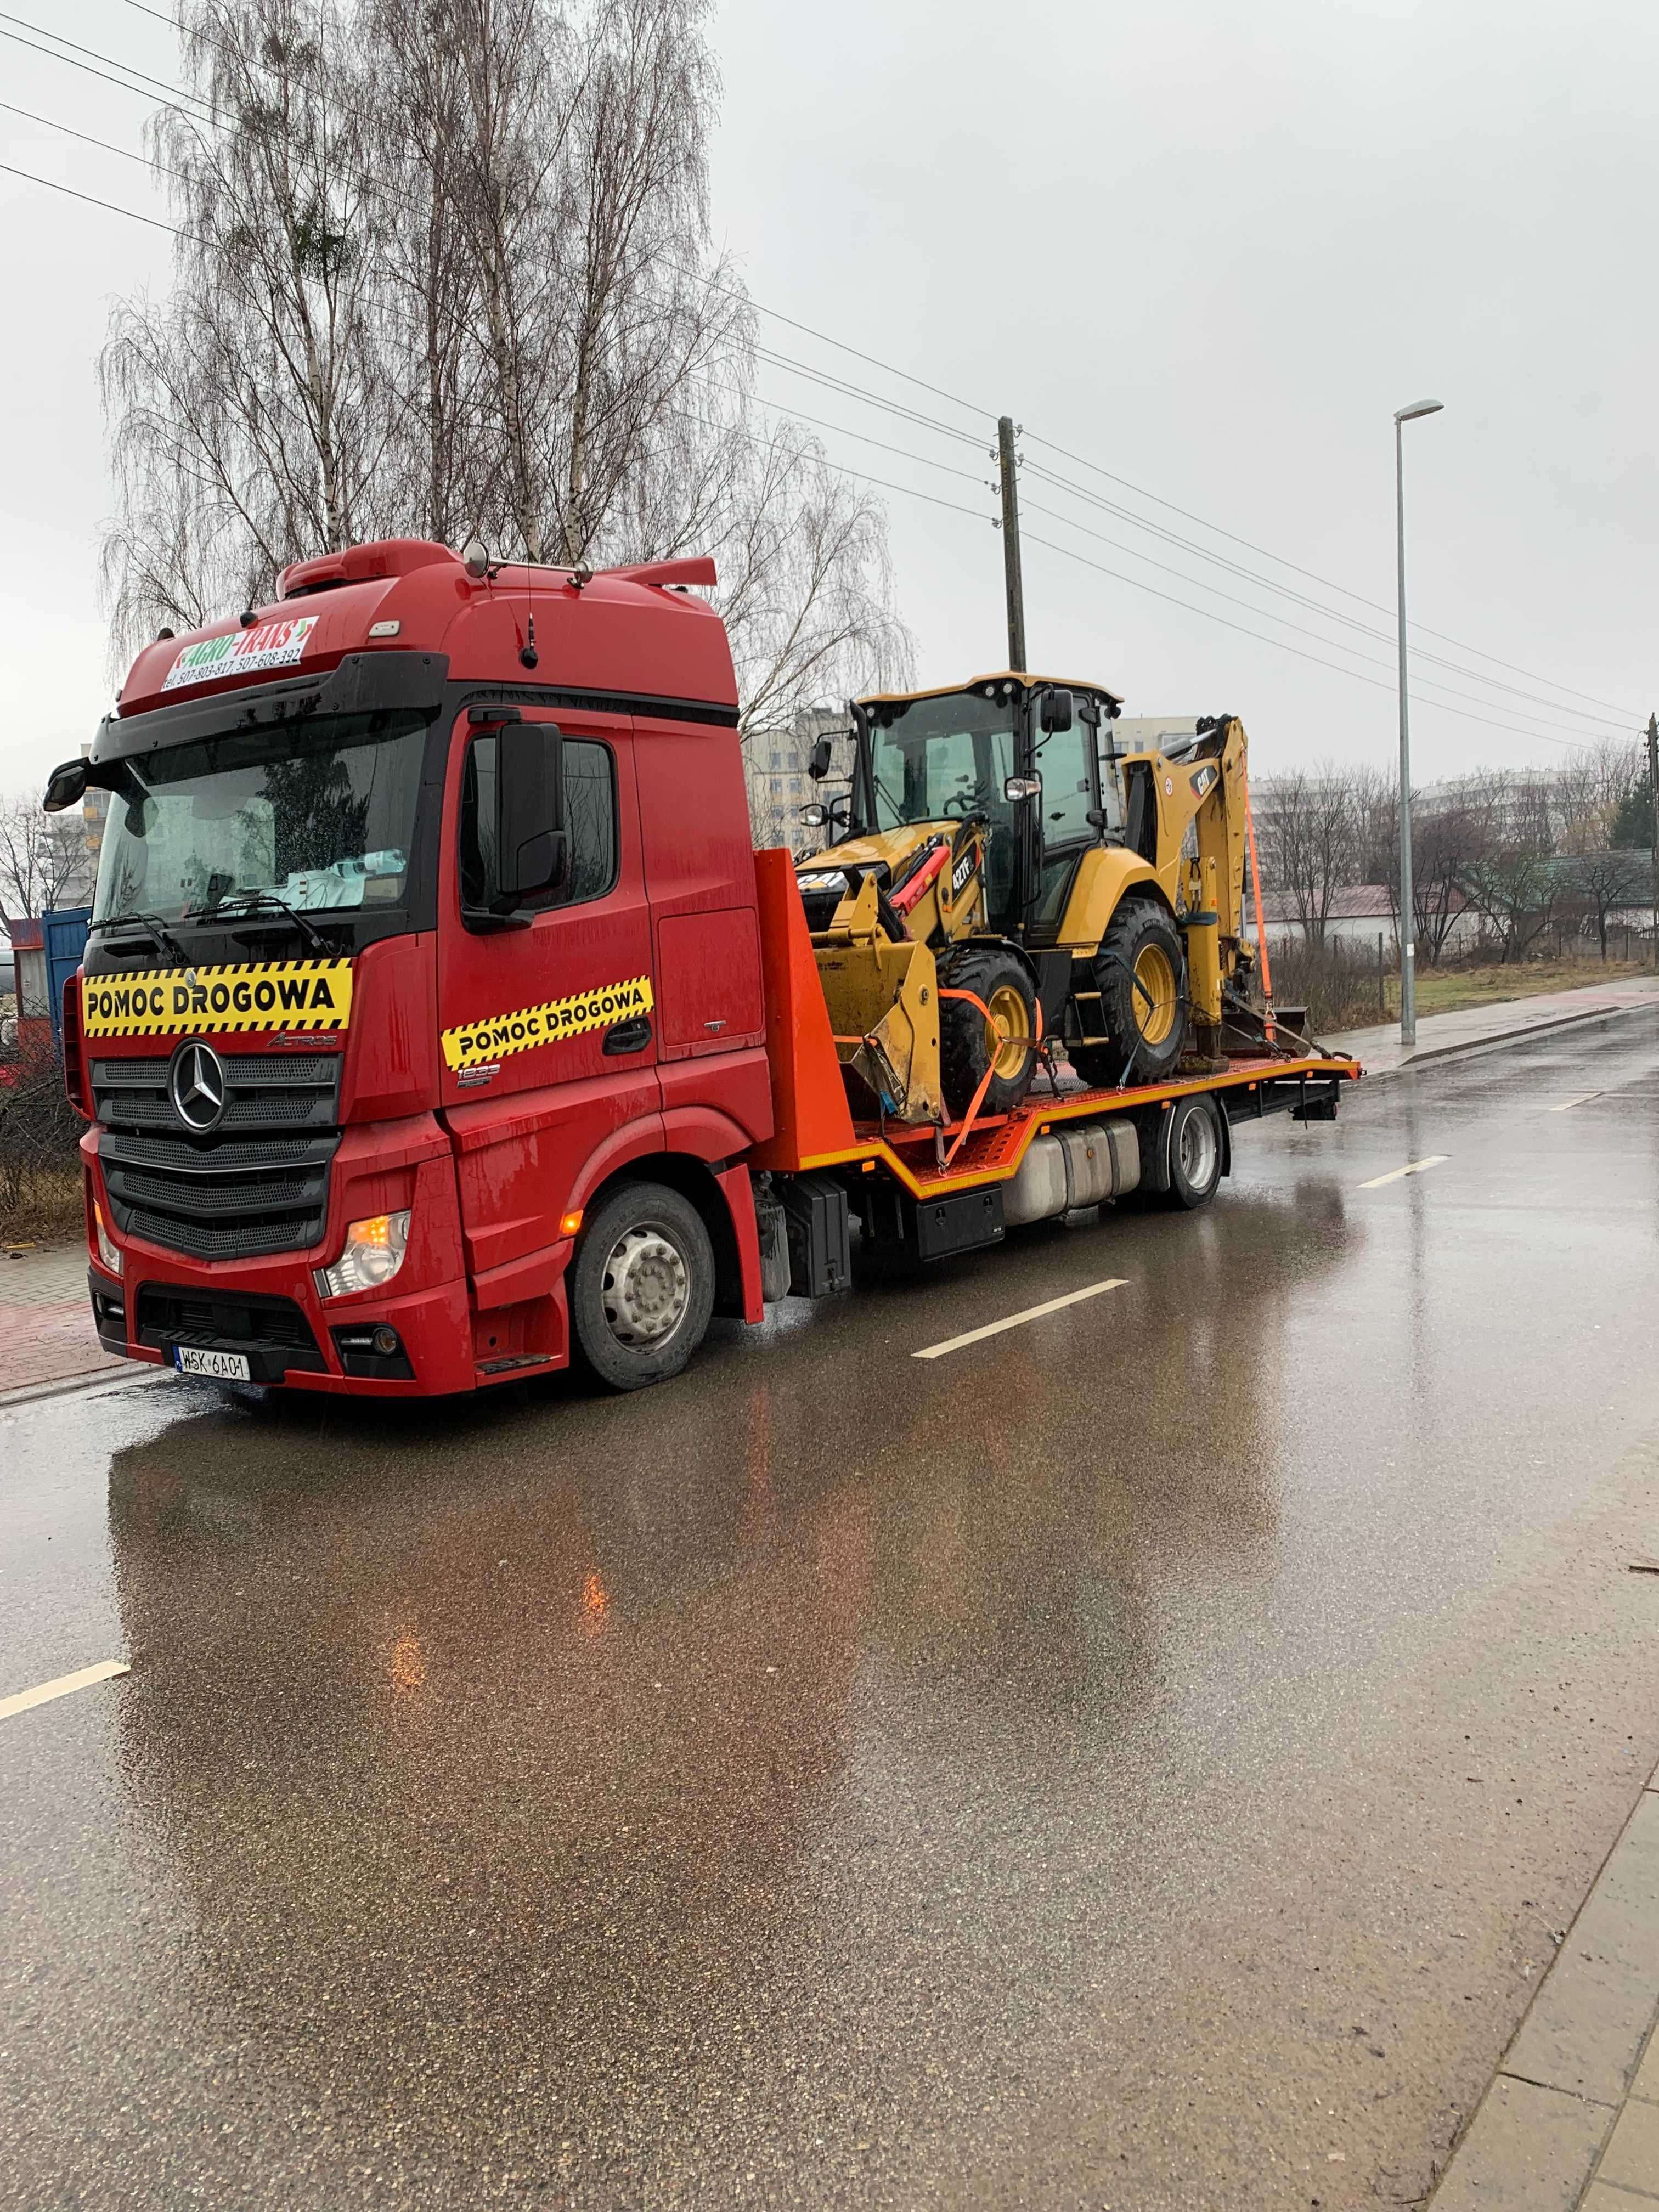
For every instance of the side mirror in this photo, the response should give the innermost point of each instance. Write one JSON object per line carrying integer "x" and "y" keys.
{"x": 530, "y": 833}
{"x": 1056, "y": 712}
{"x": 65, "y": 786}
{"x": 818, "y": 762}
{"x": 1016, "y": 787}
{"x": 815, "y": 816}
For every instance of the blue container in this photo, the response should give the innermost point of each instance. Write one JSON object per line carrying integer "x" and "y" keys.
{"x": 65, "y": 935}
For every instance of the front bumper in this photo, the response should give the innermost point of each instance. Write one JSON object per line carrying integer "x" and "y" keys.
{"x": 268, "y": 1312}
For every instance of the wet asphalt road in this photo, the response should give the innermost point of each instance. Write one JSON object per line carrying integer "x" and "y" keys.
{"x": 1137, "y": 1761}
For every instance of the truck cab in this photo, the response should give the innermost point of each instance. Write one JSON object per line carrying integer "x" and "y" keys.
{"x": 425, "y": 936}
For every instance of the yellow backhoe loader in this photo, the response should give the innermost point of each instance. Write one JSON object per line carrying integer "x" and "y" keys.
{"x": 1002, "y": 872}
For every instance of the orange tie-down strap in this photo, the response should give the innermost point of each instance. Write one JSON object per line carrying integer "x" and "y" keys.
{"x": 1000, "y": 1036}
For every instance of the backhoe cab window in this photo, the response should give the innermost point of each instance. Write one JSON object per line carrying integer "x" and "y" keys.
{"x": 590, "y": 811}
{"x": 942, "y": 758}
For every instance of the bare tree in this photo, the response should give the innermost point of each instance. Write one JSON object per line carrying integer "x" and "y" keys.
{"x": 43, "y": 859}
{"x": 446, "y": 269}
{"x": 1604, "y": 882}
{"x": 1308, "y": 830}
{"x": 249, "y": 409}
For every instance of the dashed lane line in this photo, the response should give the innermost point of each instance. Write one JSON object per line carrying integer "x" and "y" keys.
{"x": 1567, "y": 1104}
{"x": 62, "y": 1686}
{"x": 1018, "y": 1319}
{"x": 1413, "y": 1167}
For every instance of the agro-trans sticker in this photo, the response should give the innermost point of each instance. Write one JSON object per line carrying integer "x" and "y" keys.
{"x": 493, "y": 1037}
{"x": 242, "y": 652}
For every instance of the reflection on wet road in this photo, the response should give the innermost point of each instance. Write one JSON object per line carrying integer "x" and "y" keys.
{"x": 1135, "y": 1759}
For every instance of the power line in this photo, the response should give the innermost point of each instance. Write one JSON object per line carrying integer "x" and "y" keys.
{"x": 1377, "y": 606}
{"x": 1066, "y": 553}
{"x": 70, "y": 62}
{"x": 173, "y": 92}
{"x": 132, "y": 214}
{"x": 1298, "y": 598}
{"x": 1033, "y": 506}
{"x": 126, "y": 153}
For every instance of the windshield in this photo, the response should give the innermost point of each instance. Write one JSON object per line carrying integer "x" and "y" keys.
{"x": 939, "y": 757}
{"x": 321, "y": 814}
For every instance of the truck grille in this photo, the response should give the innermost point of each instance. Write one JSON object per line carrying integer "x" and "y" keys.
{"x": 230, "y": 1194}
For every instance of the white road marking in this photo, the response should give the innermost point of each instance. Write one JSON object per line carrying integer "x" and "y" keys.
{"x": 1416, "y": 1167}
{"x": 1016, "y": 1321}
{"x": 1566, "y": 1103}
{"x": 44, "y": 1692}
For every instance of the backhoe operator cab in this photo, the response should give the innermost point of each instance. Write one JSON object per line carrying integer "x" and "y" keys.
{"x": 1062, "y": 886}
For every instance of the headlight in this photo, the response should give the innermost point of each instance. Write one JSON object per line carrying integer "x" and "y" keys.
{"x": 106, "y": 1251}
{"x": 374, "y": 1253}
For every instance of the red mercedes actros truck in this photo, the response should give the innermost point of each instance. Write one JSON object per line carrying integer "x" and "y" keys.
{"x": 439, "y": 1023}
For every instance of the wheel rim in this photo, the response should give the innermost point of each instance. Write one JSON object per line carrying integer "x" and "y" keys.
{"x": 1155, "y": 998}
{"x": 1013, "y": 1018}
{"x": 1198, "y": 1149}
{"x": 645, "y": 1287}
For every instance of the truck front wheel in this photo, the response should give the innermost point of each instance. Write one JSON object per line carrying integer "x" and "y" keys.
{"x": 642, "y": 1287}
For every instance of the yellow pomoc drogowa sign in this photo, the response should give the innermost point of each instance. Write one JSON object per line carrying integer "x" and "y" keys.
{"x": 479, "y": 1044}
{"x": 257, "y": 994}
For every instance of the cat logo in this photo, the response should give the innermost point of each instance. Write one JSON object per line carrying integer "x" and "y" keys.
{"x": 1203, "y": 779}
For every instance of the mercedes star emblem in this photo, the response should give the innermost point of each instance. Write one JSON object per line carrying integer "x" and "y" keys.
{"x": 196, "y": 1086}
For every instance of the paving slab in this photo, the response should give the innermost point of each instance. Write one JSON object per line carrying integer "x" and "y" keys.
{"x": 1586, "y": 2029}
{"x": 1530, "y": 2149}
{"x": 1631, "y": 2159}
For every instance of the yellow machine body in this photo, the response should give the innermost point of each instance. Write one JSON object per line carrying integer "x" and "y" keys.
{"x": 883, "y": 997}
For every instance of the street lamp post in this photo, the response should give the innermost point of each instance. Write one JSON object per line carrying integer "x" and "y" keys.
{"x": 1408, "y": 947}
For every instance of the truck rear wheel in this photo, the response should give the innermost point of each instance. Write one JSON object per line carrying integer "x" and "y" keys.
{"x": 642, "y": 1287}
{"x": 1194, "y": 1151}
{"x": 1140, "y": 975}
{"x": 1002, "y": 984}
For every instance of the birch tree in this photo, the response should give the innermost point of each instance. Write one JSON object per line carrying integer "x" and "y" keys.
{"x": 446, "y": 271}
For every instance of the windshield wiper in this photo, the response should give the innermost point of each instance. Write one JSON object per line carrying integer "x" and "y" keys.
{"x": 157, "y": 928}
{"x": 253, "y": 902}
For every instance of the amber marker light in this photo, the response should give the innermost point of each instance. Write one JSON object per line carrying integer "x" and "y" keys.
{"x": 570, "y": 1222}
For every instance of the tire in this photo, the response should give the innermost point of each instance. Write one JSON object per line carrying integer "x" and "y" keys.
{"x": 1140, "y": 974}
{"x": 1194, "y": 1152}
{"x": 642, "y": 1287}
{"x": 1001, "y": 981}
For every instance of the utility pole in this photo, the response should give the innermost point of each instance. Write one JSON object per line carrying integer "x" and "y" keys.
{"x": 1011, "y": 545}
{"x": 1653, "y": 801}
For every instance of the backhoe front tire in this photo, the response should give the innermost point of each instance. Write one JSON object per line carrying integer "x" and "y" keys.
{"x": 642, "y": 1286}
{"x": 1140, "y": 974}
{"x": 1002, "y": 983}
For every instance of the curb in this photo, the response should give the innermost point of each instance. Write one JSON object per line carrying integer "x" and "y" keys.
{"x": 1472, "y": 1046}
{"x": 92, "y": 1379}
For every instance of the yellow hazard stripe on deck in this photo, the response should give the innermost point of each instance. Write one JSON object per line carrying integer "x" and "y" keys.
{"x": 252, "y": 994}
{"x": 495, "y": 1036}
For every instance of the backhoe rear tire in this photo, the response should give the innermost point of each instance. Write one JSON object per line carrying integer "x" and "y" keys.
{"x": 1001, "y": 982}
{"x": 1140, "y": 974}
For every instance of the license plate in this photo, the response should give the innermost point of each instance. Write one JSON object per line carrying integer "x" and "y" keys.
{"x": 223, "y": 1366}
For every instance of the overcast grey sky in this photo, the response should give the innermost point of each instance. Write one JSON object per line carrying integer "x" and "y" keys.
{"x": 1209, "y": 247}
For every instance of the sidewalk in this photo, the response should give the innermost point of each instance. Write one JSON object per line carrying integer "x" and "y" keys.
{"x": 1474, "y": 1028}
{"x": 46, "y": 1334}
{"x": 1571, "y": 2122}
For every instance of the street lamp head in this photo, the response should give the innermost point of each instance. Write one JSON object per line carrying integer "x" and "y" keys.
{"x": 1420, "y": 407}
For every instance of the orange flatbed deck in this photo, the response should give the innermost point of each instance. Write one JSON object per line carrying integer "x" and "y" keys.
{"x": 814, "y": 1125}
